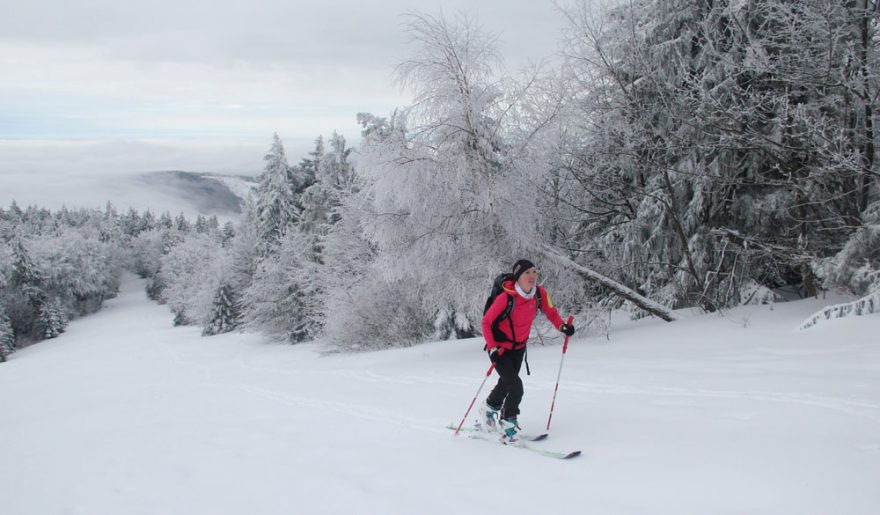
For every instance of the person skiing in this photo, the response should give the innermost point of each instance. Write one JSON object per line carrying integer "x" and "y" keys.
{"x": 506, "y": 341}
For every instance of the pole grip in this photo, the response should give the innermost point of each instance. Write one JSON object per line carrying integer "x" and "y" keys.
{"x": 565, "y": 344}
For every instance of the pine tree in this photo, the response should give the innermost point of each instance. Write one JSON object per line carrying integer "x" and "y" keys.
{"x": 51, "y": 320}
{"x": 182, "y": 224}
{"x": 228, "y": 233}
{"x": 201, "y": 225}
{"x": 275, "y": 207}
{"x": 322, "y": 200}
{"x": 283, "y": 300}
{"x": 309, "y": 167}
{"x": 7, "y": 335}
{"x": 28, "y": 296}
{"x": 224, "y": 313}
{"x": 165, "y": 221}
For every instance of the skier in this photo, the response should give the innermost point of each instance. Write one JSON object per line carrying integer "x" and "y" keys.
{"x": 506, "y": 342}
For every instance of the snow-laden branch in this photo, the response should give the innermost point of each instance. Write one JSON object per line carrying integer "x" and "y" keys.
{"x": 867, "y": 305}
{"x": 641, "y": 301}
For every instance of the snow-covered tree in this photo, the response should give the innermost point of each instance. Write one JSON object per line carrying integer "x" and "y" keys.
{"x": 51, "y": 320}
{"x": 7, "y": 335}
{"x": 283, "y": 300}
{"x": 333, "y": 179}
{"x": 79, "y": 270}
{"x": 444, "y": 183}
{"x": 714, "y": 145}
{"x": 225, "y": 313}
{"x": 182, "y": 224}
{"x": 243, "y": 250}
{"x": 25, "y": 293}
{"x": 275, "y": 208}
{"x": 192, "y": 272}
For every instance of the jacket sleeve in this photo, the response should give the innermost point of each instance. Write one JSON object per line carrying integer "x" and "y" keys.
{"x": 491, "y": 315}
{"x": 549, "y": 309}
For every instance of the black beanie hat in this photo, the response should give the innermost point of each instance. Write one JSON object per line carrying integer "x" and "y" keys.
{"x": 521, "y": 266}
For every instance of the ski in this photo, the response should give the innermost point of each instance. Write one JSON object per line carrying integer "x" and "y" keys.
{"x": 522, "y": 436}
{"x": 524, "y": 443}
{"x": 479, "y": 435}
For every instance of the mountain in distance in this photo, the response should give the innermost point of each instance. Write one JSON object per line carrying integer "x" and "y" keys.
{"x": 202, "y": 193}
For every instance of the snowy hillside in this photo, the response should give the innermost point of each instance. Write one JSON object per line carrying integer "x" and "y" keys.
{"x": 207, "y": 194}
{"x": 742, "y": 414}
{"x": 170, "y": 191}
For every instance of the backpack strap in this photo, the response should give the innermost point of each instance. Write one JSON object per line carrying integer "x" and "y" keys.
{"x": 499, "y": 336}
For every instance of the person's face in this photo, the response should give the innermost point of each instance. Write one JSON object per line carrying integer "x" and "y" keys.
{"x": 528, "y": 279}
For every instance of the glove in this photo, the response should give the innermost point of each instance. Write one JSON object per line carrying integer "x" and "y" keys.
{"x": 566, "y": 329}
{"x": 495, "y": 355}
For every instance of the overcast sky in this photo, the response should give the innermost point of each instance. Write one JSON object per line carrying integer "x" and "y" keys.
{"x": 202, "y": 85}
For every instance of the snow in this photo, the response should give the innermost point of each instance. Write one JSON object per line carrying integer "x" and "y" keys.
{"x": 867, "y": 305}
{"x": 241, "y": 187}
{"x": 734, "y": 414}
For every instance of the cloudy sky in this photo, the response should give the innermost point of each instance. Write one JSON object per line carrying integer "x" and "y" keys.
{"x": 116, "y": 86}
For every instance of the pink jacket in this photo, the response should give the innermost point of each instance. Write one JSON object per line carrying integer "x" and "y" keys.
{"x": 522, "y": 316}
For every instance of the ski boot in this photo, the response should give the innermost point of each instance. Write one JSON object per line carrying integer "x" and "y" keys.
{"x": 489, "y": 418}
{"x": 509, "y": 430}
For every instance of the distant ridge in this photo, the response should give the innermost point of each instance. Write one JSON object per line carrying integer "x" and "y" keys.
{"x": 206, "y": 193}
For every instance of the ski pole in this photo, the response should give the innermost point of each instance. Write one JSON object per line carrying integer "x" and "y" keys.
{"x": 564, "y": 348}
{"x": 488, "y": 373}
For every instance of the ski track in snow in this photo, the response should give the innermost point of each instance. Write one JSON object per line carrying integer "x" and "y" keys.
{"x": 853, "y": 407}
{"x": 858, "y": 408}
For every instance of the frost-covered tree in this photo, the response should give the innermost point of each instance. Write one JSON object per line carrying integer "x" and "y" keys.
{"x": 283, "y": 300}
{"x": 165, "y": 221}
{"x": 305, "y": 174}
{"x": 147, "y": 249}
{"x": 192, "y": 272}
{"x": 714, "y": 148}
{"x": 51, "y": 320}
{"x": 225, "y": 313}
{"x": 275, "y": 208}
{"x": 857, "y": 266}
{"x": 443, "y": 180}
{"x": 25, "y": 293}
{"x": 79, "y": 269}
{"x": 7, "y": 335}
{"x": 334, "y": 178}
{"x": 182, "y": 223}
{"x": 56, "y": 266}
{"x": 243, "y": 250}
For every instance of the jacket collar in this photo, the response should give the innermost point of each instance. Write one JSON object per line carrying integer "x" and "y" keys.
{"x": 513, "y": 289}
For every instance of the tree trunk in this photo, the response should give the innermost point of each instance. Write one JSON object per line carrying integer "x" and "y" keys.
{"x": 654, "y": 308}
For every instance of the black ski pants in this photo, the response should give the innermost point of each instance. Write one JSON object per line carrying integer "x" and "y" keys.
{"x": 508, "y": 393}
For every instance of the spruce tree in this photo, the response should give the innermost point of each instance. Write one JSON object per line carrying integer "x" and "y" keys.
{"x": 7, "y": 336}
{"x": 224, "y": 312}
{"x": 51, "y": 320}
{"x": 29, "y": 296}
{"x": 275, "y": 203}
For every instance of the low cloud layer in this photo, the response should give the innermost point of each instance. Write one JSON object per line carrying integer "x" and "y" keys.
{"x": 100, "y": 88}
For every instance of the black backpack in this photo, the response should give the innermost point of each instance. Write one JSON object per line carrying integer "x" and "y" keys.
{"x": 498, "y": 289}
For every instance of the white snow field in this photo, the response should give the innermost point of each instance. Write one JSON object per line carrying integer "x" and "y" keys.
{"x": 742, "y": 414}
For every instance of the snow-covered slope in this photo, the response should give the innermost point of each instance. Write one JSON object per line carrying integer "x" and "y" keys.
{"x": 741, "y": 414}
{"x": 205, "y": 194}
{"x": 169, "y": 191}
